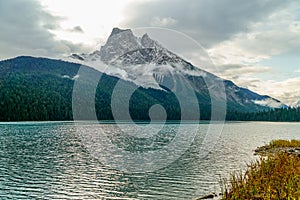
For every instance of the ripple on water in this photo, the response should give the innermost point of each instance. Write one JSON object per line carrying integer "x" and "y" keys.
{"x": 48, "y": 161}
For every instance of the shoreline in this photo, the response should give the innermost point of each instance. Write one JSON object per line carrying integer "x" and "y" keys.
{"x": 275, "y": 175}
{"x": 268, "y": 177}
{"x": 265, "y": 151}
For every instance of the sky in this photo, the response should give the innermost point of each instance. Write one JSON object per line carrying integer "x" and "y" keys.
{"x": 256, "y": 43}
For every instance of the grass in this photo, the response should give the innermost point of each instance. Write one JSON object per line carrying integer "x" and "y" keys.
{"x": 284, "y": 143}
{"x": 275, "y": 177}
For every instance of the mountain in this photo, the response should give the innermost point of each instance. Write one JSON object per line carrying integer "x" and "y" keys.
{"x": 148, "y": 64}
{"x": 43, "y": 89}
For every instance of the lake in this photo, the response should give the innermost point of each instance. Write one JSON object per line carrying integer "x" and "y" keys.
{"x": 53, "y": 160}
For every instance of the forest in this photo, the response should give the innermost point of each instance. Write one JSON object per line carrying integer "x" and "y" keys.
{"x": 41, "y": 89}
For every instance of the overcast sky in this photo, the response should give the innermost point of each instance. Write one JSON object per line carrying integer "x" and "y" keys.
{"x": 254, "y": 43}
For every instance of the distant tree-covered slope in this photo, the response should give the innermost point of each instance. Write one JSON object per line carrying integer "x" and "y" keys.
{"x": 41, "y": 89}
{"x": 35, "y": 89}
{"x": 275, "y": 115}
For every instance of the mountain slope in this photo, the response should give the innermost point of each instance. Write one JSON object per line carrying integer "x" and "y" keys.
{"x": 42, "y": 89}
{"x": 148, "y": 64}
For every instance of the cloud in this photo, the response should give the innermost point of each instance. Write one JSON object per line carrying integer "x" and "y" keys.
{"x": 208, "y": 21}
{"x": 245, "y": 69}
{"x": 268, "y": 102}
{"x": 76, "y": 29}
{"x": 287, "y": 91}
{"x": 256, "y": 46}
{"x": 164, "y": 22}
{"x": 250, "y": 83}
{"x": 243, "y": 75}
{"x": 26, "y": 30}
{"x": 274, "y": 35}
{"x": 236, "y": 70}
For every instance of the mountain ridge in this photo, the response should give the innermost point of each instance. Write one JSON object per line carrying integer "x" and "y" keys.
{"x": 136, "y": 55}
{"x": 39, "y": 89}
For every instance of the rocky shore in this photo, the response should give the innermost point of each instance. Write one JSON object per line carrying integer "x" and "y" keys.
{"x": 211, "y": 196}
{"x": 265, "y": 150}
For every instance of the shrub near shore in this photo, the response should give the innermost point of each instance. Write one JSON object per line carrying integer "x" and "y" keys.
{"x": 276, "y": 176}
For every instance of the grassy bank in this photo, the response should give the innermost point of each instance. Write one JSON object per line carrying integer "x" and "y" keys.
{"x": 276, "y": 176}
{"x": 284, "y": 143}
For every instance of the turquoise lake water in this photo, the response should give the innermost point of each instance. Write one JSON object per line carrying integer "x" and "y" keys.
{"x": 51, "y": 160}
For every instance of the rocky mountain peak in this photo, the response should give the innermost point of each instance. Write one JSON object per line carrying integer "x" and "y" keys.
{"x": 123, "y": 48}
{"x": 119, "y": 42}
{"x": 147, "y": 42}
{"x": 117, "y": 30}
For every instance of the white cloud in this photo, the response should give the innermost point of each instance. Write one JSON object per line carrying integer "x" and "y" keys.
{"x": 240, "y": 71}
{"x": 165, "y": 22}
{"x": 268, "y": 102}
{"x": 288, "y": 91}
{"x": 277, "y": 34}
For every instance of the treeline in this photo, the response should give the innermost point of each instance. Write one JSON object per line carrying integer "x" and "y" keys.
{"x": 31, "y": 97}
{"x": 41, "y": 98}
{"x": 276, "y": 115}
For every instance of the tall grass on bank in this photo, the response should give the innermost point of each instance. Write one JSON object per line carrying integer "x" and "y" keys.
{"x": 276, "y": 176}
{"x": 284, "y": 143}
